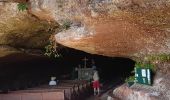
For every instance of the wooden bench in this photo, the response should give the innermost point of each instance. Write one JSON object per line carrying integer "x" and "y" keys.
{"x": 82, "y": 88}
{"x": 73, "y": 89}
{"x": 51, "y": 94}
{"x": 68, "y": 90}
{"x": 65, "y": 90}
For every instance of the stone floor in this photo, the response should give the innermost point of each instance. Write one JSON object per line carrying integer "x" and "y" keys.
{"x": 106, "y": 91}
{"x": 104, "y": 96}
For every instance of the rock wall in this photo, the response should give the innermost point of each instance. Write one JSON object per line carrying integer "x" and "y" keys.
{"x": 159, "y": 90}
{"x": 110, "y": 27}
{"x": 22, "y": 30}
{"x": 124, "y": 28}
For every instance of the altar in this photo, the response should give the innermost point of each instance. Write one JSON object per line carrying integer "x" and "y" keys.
{"x": 85, "y": 73}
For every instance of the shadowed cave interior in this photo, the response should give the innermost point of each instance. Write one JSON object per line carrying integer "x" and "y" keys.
{"x": 22, "y": 71}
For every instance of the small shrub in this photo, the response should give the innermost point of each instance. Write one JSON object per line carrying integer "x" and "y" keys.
{"x": 130, "y": 79}
{"x": 147, "y": 65}
{"x": 51, "y": 49}
{"x": 159, "y": 57}
{"x": 22, "y": 6}
{"x": 66, "y": 25}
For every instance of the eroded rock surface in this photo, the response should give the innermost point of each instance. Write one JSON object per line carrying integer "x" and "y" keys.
{"x": 124, "y": 28}
{"x": 21, "y": 30}
{"x": 110, "y": 27}
{"x": 159, "y": 91}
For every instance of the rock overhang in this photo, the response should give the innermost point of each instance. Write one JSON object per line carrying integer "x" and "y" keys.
{"x": 116, "y": 27}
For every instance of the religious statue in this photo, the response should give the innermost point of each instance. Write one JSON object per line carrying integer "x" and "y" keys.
{"x": 93, "y": 64}
{"x": 53, "y": 82}
{"x": 75, "y": 72}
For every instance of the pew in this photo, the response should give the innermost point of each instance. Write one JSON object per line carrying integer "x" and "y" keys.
{"x": 68, "y": 90}
{"x": 83, "y": 88}
{"x": 43, "y": 94}
{"x": 74, "y": 89}
{"x": 71, "y": 90}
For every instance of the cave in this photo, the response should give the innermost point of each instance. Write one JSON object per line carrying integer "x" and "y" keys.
{"x": 22, "y": 71}
{"x": 110, "y": 32}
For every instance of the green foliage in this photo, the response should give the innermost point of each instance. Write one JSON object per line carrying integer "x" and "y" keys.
{"x": 51, "y": 49}
{"x": 66, "y": 25}
{"x": 130, "y": 79}
{"x": 149, "y": 63}
{"x": 151, "y": 60}
{"x": 22, "y": 6}
{"x": 138, "y": 64}
{"x": 159, "y": 57}
{"x": 145, "y": 65}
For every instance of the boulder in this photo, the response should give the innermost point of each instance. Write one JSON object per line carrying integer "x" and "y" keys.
{"x": 158, "y": 91}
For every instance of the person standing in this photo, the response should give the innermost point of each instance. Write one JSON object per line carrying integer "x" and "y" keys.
{"x": 96, "y": 84}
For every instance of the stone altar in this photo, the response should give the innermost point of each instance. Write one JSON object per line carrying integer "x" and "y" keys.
{"x": 85, "y": 73}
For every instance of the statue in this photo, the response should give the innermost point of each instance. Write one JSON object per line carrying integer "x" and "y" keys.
{"x": 75, "y": 72}
{"x": 53, "y": 82}
{"x": 93, "y": 64}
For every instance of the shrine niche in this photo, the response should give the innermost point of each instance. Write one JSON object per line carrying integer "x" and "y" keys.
{"x": 85, "y": 73}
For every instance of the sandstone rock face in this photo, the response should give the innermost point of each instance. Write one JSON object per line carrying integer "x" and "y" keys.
{"x": 21, "y": 30}
{"x": 7, "y": 50}
{"x": 110, "y": 27}
{"x": 159, "y": 90}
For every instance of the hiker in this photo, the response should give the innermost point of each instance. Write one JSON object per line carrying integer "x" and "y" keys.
{"x": 96, "y": 84}
{"x": 53, "y": 82}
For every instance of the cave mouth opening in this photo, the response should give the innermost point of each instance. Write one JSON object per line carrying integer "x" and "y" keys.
{"x": 30, "y": 71}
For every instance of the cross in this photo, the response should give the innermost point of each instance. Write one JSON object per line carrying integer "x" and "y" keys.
{"x": 85, "y": 60}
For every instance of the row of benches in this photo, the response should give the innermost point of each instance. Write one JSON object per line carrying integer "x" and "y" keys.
{"x": 65, "y": 90}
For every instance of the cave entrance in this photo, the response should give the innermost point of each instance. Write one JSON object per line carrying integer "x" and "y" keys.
{"x": 30, "y": 71}
{"x": 109, "y": 68}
